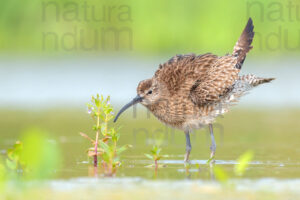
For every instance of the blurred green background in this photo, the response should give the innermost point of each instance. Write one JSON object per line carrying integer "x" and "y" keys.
{"x": 146, "y": 27}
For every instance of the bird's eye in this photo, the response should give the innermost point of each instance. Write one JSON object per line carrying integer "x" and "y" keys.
{"x": 149, "y": 92}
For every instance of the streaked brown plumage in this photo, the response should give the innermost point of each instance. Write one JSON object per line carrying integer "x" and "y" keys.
{"x": 189, "y": 91}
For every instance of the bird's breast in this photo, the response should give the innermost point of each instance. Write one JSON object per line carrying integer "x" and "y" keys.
{"x": 174, "y": 111}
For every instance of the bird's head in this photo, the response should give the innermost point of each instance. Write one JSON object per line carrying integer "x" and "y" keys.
{"x": 147, "y": 94}
{"x": 148, "y": 91}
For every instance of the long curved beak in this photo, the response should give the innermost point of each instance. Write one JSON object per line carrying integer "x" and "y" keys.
{"x": 136, "y": 100}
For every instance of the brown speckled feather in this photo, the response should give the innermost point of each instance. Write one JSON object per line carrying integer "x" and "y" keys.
{"x": 180, "y": 68}
{"x": 207, "y": 77}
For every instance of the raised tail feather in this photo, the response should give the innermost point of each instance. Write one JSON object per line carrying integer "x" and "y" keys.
{"x": 241, "y": 87}
{"x": 243, "y": 45}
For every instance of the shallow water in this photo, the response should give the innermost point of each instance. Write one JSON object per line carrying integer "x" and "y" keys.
{"x": 271, "y": 133}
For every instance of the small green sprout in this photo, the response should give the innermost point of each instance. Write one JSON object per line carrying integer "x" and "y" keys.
{"x": 155, "y": 155}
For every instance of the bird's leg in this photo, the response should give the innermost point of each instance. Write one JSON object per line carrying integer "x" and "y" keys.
{"x": 213, "y": 145}
{"x": 188, "y": 146}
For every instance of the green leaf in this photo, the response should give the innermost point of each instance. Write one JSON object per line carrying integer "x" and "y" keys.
{"x": 108, "y": 110}
{"x": 149, "y": 156}
{"x": 105, "y": 147}
{"x": 106, "y": 157}
{"x": 158, "y": 151}
{"x": 96, "y": 113}
{"x": 102, "y": 117}
{"x": 153, "y": 152}
{"x": 122, "y": 149}
{"x": 243, "y": 162}
{"x": 95, "y": 128}
{"x": 103, "y": 127}
{"x": 114, "y": 136}
{"x": 97, "y": 103}
{"x": 108, "y": 99}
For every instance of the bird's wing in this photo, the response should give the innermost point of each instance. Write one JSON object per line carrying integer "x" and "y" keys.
{"x": 205, "y": 78}
{"x": 176, "y": 72}
{"x": 224, "y": 72}
{"x": 216, "y": 83}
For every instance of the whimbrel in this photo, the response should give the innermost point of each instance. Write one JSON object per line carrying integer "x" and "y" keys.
{"x": 189, "y": 91}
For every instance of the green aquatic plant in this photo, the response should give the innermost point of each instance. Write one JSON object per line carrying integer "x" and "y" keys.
{"x": 33, "y": 157}
{"x": 111, "y": 152}
{"x": 101, "y": 112}
{"x": 111, "y": 156}
{"x": 155, "y": 155}
{"x": 155, "y": 152}
{"x": 41, "y": 154}
{"x": 105, "y": 147}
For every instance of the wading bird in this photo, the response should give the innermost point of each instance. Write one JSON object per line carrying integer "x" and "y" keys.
{"x": 189, "y": 91}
